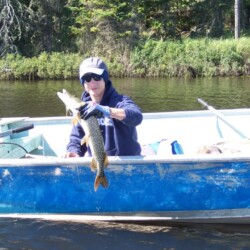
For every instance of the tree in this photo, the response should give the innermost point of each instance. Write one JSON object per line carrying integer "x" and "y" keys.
{"x": 10, "y": 27}
{"x": 237, "y": 19}
{"x": 29, "y": 27}
{"x": 45, "y": 26}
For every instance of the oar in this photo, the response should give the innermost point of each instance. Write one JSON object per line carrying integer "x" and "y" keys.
{"x": 222, "y": 117}
{"x": 16, "y": 130}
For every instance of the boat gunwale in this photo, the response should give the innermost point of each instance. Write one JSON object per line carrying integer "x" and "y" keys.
{"x": 149, "y": 115}
{"x": 124, "y": 160}
{"x": 241, "y": 111}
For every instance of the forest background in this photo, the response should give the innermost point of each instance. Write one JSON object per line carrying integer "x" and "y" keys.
{"x": 47, "y": 39}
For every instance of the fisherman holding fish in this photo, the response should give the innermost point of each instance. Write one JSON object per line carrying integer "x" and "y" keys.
{"x": 117, "y": 114}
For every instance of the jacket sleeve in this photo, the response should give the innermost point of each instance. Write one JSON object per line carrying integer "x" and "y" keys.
{"x": 74, "y": 144}
{"x": 133, "y": 112}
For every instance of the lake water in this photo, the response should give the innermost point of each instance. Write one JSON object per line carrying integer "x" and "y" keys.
{"x": 44, "y": 235}
{"x": 36, "y": 99}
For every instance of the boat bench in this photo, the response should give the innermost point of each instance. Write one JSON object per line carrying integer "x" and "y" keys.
{"x": 16, "y": 144}
{"x": 17, "y": 148}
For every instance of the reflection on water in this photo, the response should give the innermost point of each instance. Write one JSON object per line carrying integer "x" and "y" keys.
{"x": 36, "y": 99}
{"x": 37, "y": 234}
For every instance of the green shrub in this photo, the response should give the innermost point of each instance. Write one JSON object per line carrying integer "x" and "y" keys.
{"x": 165, "y": 58}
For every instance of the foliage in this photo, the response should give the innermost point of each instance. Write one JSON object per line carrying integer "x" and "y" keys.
{"x": 46, "y": 66}
{"x": 194, "y": 57}
{"x": 42, "y": 39}
{"x": 110, "y": 28}
{"x": 165, "y": 58}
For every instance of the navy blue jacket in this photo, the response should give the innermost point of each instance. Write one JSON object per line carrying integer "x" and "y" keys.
{"x": 120, "y": 137}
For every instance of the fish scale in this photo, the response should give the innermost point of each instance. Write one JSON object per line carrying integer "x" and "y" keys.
{"x": 95, "y": 142}
{"x": 93, "y": 137}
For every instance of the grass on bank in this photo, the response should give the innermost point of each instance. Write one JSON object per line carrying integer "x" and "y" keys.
{"x": 190, "y": 57}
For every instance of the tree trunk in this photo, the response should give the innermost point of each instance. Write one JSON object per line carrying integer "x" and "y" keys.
{"x": 237, "y": 19}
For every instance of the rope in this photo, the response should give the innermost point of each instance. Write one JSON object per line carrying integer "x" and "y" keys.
{"x": 12, "y": 143}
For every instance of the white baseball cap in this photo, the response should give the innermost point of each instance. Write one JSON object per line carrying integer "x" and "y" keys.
{"x": 92, "y": 65}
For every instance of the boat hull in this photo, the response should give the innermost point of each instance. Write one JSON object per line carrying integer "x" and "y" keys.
{"x": 191, "y": 187}
{"x": 194, "y": 190}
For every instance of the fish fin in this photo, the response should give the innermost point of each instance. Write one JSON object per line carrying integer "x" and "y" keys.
{"x": 67, "y": 111}
{"x": 78, "y": 117}
{"x": 106, "y": 161}
{"x": 85, "y": 139}
{"x": 74, "y": 121}
{"x": 93, "y": 165}
{"x": 101, "y": 180}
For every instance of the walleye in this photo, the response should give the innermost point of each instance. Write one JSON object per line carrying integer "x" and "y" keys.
{"x": 93, "y": 137}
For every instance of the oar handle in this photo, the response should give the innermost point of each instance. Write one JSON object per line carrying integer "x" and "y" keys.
{"x": 24, "y": 128}
{"x": 16, "y": 130}
{"x": 202, "y": 102}
{"x": 217, "y": 113}
{"x": 221, "y": 116}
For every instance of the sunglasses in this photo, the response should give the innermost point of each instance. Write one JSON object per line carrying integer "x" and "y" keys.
{"x": 87, "y": 78}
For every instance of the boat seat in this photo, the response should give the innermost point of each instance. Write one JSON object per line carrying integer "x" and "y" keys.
{"x": 17, "y": 148}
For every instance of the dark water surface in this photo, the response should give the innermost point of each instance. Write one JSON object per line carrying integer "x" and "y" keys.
{"x": 37, "y": 234}
{"x": 36, "y": 99}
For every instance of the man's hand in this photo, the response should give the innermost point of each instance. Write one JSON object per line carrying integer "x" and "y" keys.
{"x": 92, "y": 109}
{"x": 70, "y": 154}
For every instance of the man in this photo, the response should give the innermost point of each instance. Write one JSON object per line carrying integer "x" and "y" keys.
{"x": 118, "y": 115}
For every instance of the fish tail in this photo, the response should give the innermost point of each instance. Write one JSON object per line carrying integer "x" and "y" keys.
{"x": 100, "y": 180}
